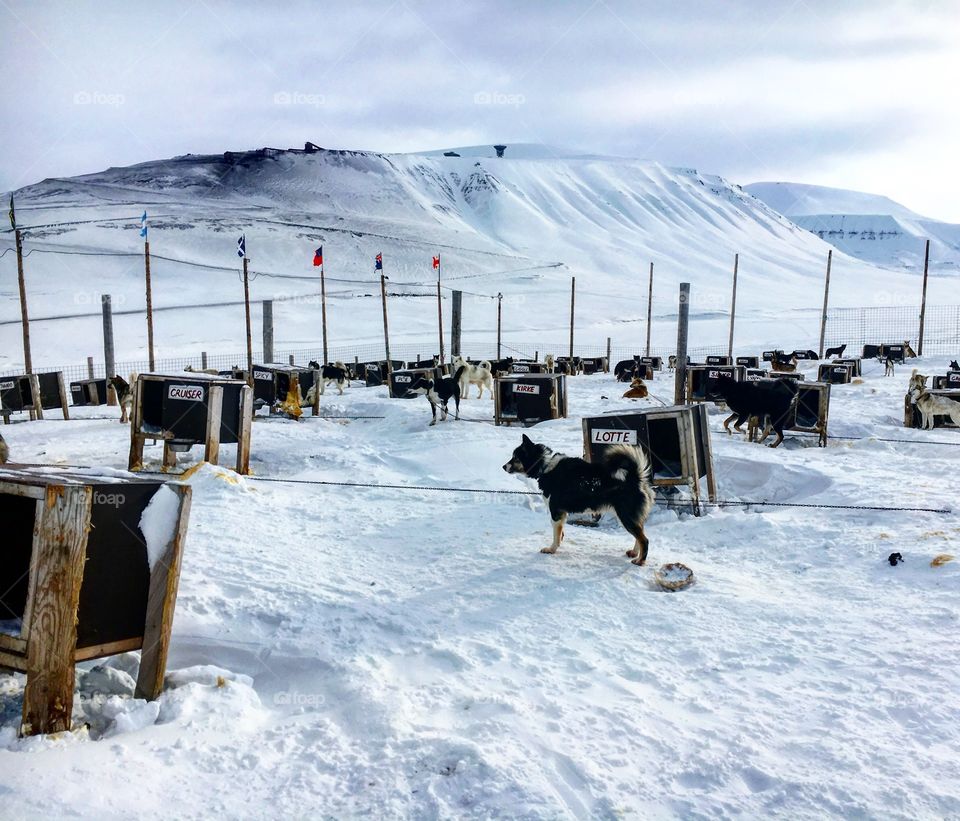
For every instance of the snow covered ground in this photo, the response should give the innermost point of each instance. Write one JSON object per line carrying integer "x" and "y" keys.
{"x": 345, "y": 651}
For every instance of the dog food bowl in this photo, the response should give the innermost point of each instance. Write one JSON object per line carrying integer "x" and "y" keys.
{"x": 673, "y": 576}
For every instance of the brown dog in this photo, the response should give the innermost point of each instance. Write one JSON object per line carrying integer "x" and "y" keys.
{"x": 637, "y": 389}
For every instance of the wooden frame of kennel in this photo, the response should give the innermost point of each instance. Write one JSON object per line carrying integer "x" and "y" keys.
{"x": 271, "y": 374}
{"x": 73, "y": 540}
{"x": 912, "y": 418}
{"x": 87, "y": 392}
{"x": 46, "y": 391}
{"x": 699, "y": 375}
{"x": 213, "y": 426}
{"x": 822, "y": 389}
{"x": 836, "y": 373}
{"x": 694, "y": 462}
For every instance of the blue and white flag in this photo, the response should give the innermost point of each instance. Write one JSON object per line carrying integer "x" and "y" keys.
{"x": 143, "y": 225}
{"x": 242, "y": 246}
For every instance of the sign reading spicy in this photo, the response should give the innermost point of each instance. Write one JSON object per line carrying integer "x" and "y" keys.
{"x": 614, "y": 437}
{"x": 190, "y": 393}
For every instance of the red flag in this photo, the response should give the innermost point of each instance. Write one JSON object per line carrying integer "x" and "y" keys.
{"x": 318, "y": 257}
{"x": 436, "y": 262}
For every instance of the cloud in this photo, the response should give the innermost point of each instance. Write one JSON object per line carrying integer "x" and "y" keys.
{"x": 742, "y": 89}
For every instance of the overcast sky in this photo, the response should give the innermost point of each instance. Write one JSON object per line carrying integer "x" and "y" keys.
{"x": 859, "y": 95}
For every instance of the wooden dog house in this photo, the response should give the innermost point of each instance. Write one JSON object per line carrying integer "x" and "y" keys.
{"x": 811, "y": 412}
{"x": 701, "y": 378}
{"x": 834, "y": 373}
{"x": 271, "y": 385}
{"x": 86, "y": 571}
{"x": 33, "y": 393}
{"x": 183, "y": 412}
{"x": 529, "y": 398}
{"x": 676, "y": 439}
{"x": 912, "y": 418}
{"x": 88, "y": 392}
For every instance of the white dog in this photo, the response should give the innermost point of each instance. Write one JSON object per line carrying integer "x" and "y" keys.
{"x": 550, "y": 363}
{"x": 479, "y": 375}
{"x": 931, "y": 406}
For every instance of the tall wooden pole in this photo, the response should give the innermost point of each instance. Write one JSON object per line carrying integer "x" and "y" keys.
{"x": 24, "y": 318}
{"x": 573, "y": 296}
{"x": 649, "y": 309}
{"x": 733, "y": 304}
{"x": 146, "y": 271}
{"x": 323, "y": 314}
{"x": 267, "y": 332}
{"x": 679, "y": 389}
{"x": 109, "y": 361}
{"x": 499, "y": 320}
{"x": 456, "y": 321}
{"x": 386, "y": 333}
{"x": 826, "y": 296}
{"x": 246, "y": 307}
{"x": 439, "y": 311}
{"x": 923, "y": 299}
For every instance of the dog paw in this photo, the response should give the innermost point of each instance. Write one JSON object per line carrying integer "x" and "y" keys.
{"x": 639, "y": 562}
{"x": 550, "y": 549}
{"x": 633, "y": 553}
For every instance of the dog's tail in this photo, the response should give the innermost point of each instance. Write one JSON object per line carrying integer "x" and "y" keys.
{"x": 486, "y": 365}
{"x": 133, "y": 377}
{"x": 459, "y": 374}
{"x": 630, "y": 465}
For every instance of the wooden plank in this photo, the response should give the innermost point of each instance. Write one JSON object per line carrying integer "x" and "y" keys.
{"x": 135, "y": 460}
{"x": 37, "y": 409}
{"x": 164, "y": 579}
{"x": 246, "y": 425}
{"x": 14, "y": 644}
{"x": 169, "y": 457}
{"x": 211, "y": 451}
{"x": 708, "y": 454}
{"x": 35, "y": 491}
{"x": 110, "y": 649}
{"x": 63, "y": 395}
{"x": 59, "y": 551}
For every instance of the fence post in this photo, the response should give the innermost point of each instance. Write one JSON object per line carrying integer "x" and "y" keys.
{"x": 573, "y": 297}
{"x": 24, "y": 316}
{"x": 456, "y": 323}
{"x": 826, "y": 295}
{"x": 290, "y": 359}
{"x": 923, "y": 299}
{"x": 109, "y": 363}
{"x": 203, "y": 360}
{"x": 607, "y": 369}
{"x": 499, "y": 321}
{"x": 386, "y": 334}
{"x": 149, "y": 288}
{"x": 649, "y": 308}
{"x": 268, "y": 331}
{"x": 90, "y": 367}
{"x": 679, "y": 388}
{"x": 733, "y": 304}
{"x": 246, "y": 306}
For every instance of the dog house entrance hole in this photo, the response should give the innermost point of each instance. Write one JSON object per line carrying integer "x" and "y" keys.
{"x": 18, "y": 512}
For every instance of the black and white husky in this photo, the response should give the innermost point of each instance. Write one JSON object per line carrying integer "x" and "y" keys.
{"x": 336, "y": 373}
{"x": 438, "y": 392}
{"x": 620, "y": 482}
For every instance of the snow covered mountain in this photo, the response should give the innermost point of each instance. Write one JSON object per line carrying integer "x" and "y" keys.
{"x": 523, "y": 225}
{"x": 868, "y": 226}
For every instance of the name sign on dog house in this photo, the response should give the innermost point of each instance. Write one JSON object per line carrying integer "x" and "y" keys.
{"x": 188, "y": 393}
{"x": 519, "y": 387}
{"x": 613, "y": 437}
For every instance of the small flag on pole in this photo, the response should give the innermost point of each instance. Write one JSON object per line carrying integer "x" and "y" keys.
{"x": 242, "y": 246}
{"x": 378, "y": 263}
{"x": 318, "y": 257}
{"x": 143, "y": 225}
{"x": 13, "y": 217}
{"x": 436, "y": 262}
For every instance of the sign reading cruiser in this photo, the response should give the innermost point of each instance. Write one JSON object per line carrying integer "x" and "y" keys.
{"x": 188, "y": 393}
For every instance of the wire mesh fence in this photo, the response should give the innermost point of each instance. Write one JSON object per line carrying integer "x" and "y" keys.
{"x": 854, "y": 327}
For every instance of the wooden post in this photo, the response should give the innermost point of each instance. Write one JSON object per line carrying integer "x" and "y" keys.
{"x": 573, "y": 297}
{"x": 439, "y": 311}
{"x": 161, "y": 598}
{"x": 733, "y": 304}
{"x": 89, "y": 367}
{"x": 679, "y": 392}
{"x": 268, "y": 332}
{"x": 135, "y": 458}
{"x": 243, "y": 435}
{"x": 499, "y": 321}
{"x": 315, "y": 407}
{"x": 109, "y": 364}
{"x": 203, "y": 360}
{"x": 826, "y": 296}
{"x": 649, "y": 308}
{"x": 246, "y": 307}
{"x": 211, "y": 452}
{"x": 323, "y": 314}
{"x": 456, "y": 323}
{"x": 146, "y": 265}
{"x": 607, "y": 369}
{"x": 62, "y": 389}
{"x": 59, "y": 553}
{"x": 923, "y": 298}
{"x": 290, "y": 359}
{"x": 386, "y": 333}
{"x": 35, "y": 399}
{"x": 24, "y": 318}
